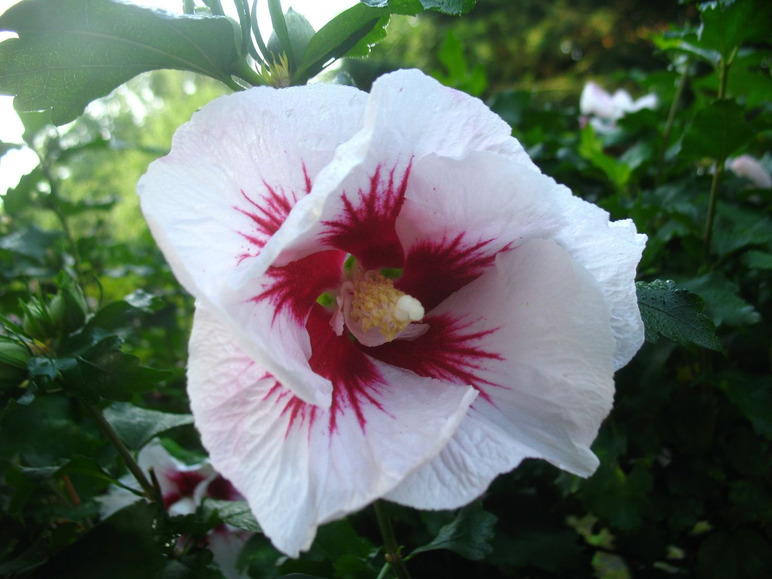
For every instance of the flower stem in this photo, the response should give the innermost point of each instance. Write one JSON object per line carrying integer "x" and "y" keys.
{"x": 670, "y": 120}
{"x": 390, "y": 545}
{"x": 151, "y": 492}
{"x": 718, "y": 169}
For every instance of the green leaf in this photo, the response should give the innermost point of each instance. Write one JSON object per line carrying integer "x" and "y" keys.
{"x": 453, "y": 7}
{"x": 623, "y": 498}
{"x": 753, "y": 396}
{"x": 118, "y": 314}
{"x": 718, "y": 131}
{"x": 235, "y": 513}
{"x": 338, "y": 36}
{"x": 675, "y": 314}
{"x": 591, "y": 149}
{"x": 758, "y": 260}
{"x": 31, "y": 242}
{"x": 722, "y": 300}
{"x": 70, "y": 52}
{"x": 104, "y": 370}
{"x": 469, "y": 534}
{"x": 728, "y": 25}
{"x": 137, "y": 426}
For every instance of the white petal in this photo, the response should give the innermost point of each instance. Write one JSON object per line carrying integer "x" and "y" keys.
{"x": 295, "y": 471}
{"x": 554, "y": 381}
{"x": 610, "y": 251}
{"x": 596, "y": 101}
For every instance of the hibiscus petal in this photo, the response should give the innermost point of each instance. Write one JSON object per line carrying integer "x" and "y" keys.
{"x": 546, "y": 384}
{"x": 610, "y": 251}
{"x": 234, "y": 172}
{"x": 300, "y": 465}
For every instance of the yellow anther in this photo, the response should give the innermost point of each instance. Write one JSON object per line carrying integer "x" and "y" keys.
{"x": 378, "y": 304}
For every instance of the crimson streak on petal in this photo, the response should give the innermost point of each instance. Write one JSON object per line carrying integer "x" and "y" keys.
{"x": 297, "y": 285}
{"x": 447, "y": 351}
{"x": 433, "y": 270}
{"x": 366, "y": 226}
{"x": 355, "y": 379}
{"x": 268, "y": 212}
{"x": 299, "y": 412}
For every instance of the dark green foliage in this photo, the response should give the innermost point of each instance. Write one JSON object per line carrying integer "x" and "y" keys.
{"x": 468, "y": 535}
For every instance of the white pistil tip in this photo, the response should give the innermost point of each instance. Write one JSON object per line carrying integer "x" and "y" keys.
{"x": 408, "y": 309}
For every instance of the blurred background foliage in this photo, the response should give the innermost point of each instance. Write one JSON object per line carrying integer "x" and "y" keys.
{"x": 684, "y": 484}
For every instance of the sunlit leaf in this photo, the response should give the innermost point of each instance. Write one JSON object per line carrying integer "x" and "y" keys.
{"x": 453, "y": 7}
{"x": 70, "y": 52}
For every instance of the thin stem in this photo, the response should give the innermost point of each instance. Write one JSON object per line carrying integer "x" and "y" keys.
{"x": 671, "y": 119}
{"x": 54, "y": 194}
{"x": 151, "y": 492}
{"x": 245, "y": 72}
{"x": 718, "y": 169}
{"x": 390, "y": 544}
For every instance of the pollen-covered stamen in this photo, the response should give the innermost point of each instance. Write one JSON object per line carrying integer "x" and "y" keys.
{"x": 374, "y": 303}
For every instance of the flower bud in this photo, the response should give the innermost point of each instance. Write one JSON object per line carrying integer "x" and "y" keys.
{"x": 300, "y": 33}
{"x": 37, "y": 322}
{"x": 68, "y": 308}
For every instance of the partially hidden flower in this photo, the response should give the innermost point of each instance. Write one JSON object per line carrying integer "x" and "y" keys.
{"x": 183, "y": 488}
{"x": 392, "y": 300}
{"x": 751, "y": 169}
{"x": 603, "y": 109}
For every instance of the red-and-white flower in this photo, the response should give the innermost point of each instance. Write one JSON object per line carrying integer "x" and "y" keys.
{"x": 183, "y": 487}
{"x": 392, "y": 300}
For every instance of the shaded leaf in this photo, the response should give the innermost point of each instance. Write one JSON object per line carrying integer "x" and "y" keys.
{"x": 104, "y": 370}
{"x": 675, "y": 314}
{"x": 71, "y": 52}
{"x": 137, "y": 426}
{"x": 123, "y": 546}
{"x": 753, "y": 396}
{"x": 717, "y": 131}
{"x": 469, "y": 535}
{"x": 31, "y": 242}
{"x": 722, "y": 300}
{"x": 728, "y": 25}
